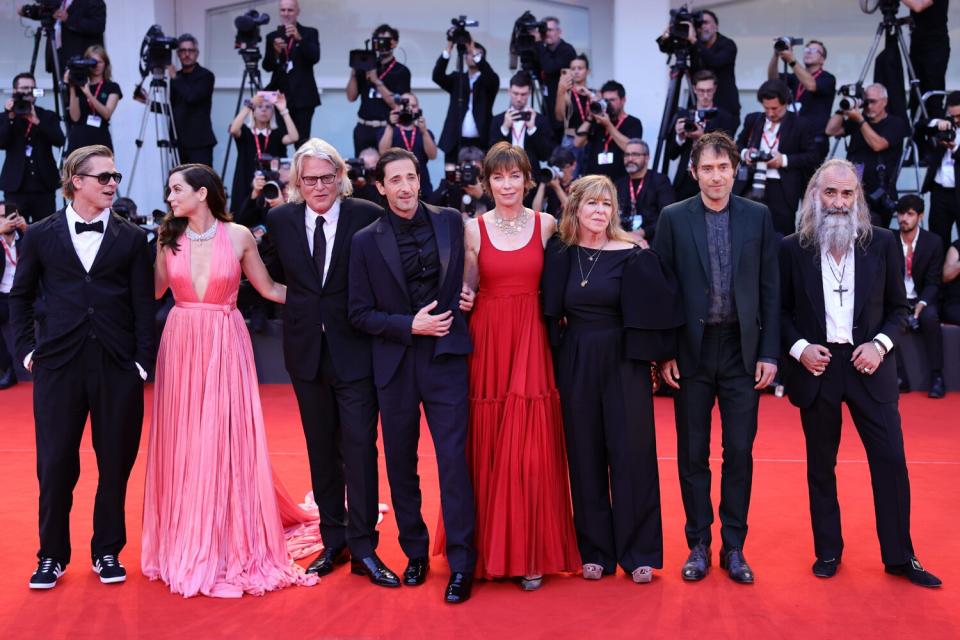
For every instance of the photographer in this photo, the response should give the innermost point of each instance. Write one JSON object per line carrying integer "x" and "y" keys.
{"x": 259, "y": 142}
{"x": 875, "y": 146}
{"x": 12, "y": 228}
{"x": 462, "y": 186}
{"x": 642, "y": 193}
{"x": 573, "y": 103}
{"x": 551, "y": 196}
{"x": 522, "y": 126}
{"x": 93, "y": 98}
{"x": 191, "y": 98}
{"x": 554, "y": 54}
{"x": 376, "y": 89}
{"x": 922, "y": 269}
{"x": 690, "y": 125}
{"x": 779, "y": 144}
{"x": 290, "y": 54}
{"x": 813, "y": 89}
{"x": 605, "y": 133}
{"x": 718, "y": 53}
{"x": 472, "y": 94}
{"x": 407, "y": 129}
{"x": 941, "y": 180}
{"x": 28, "y": 134}
{"x": 79, "y": 25}
{"x": 361, "y": 171}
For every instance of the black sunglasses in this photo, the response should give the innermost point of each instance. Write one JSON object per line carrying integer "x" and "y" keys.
{"x": 104, "y": 178}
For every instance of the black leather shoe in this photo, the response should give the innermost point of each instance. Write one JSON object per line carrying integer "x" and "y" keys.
{"x": 736, "y": 565}
{"x": 7, "y": 378}
{"x": 416, "y": 572}
{"x": 459, "y": 587}
{"x": 826, "y": 568}
{"x": 697, "y": 564}
{"x": 328, "y": 561}
{"x": 373, "y": 568}
{"x": 904, "y": 385}
{"x": 937, "y": 388}
{"x": 915, "y": 573}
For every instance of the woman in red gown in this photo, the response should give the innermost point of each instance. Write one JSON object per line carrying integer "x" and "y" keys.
{"x": 516, "y": 446}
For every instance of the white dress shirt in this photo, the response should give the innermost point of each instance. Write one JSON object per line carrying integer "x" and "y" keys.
{"x": 469, "y": 127}
{"x": 770, "y": 142}
{"x": 945, "y": 176}
{"x": 330, "y": 218}
{"x": 10, "y": 257}
{"x": 907, "y": 278}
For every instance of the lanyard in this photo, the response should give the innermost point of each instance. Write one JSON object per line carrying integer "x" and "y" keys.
{"x": 96, "y": 93}
{"x": 518, "y": 140}
{"x": 606, "y": 145}
{"x": 635, "y": 194}
{"x": 580, "y": 107}
{"x": 408, "y": 143}
{"x": 6, "y": 250}
{"x": 29, "y": 129}
{"x": 801, "y": 89}
{"x": 256, "y": 141}
{"x": 290, "y": 42}
{"x": 776, "y": 141}
{"x": 388, "y": 69}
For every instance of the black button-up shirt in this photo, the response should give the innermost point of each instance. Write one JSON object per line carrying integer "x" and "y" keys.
{"x": 722, "y": 308}
{"x": 418, "y": 256}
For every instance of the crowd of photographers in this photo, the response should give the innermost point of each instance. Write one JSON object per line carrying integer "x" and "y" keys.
{"x": 566, "y": 127}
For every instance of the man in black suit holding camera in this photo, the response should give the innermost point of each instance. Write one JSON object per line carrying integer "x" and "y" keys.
{"x": 520, "y": 125}
{"x": 290, "y": 54}
{"x": 472, "y": 93}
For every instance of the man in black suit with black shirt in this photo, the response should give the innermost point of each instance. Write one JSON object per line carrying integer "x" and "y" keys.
{"x": 472, "y": 93}
{"x": 943, "y": 172}
{"x": 29, "y": 175}
{"x": 290, "y": 54}
{"x": 84, "y": 275}
{"x": 604, "y": 135}
{"x": 328, "y": 360}
{"x": 191, "y": 97}
{"x": 784, "y": 136}
{"x": 520, "y": 125}
{"x": 406, "y": 290}
{"x": 843, "y": 307}
{"x": 642, "y": 193}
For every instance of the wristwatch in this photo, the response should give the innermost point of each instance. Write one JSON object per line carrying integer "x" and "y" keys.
{"x": 792, "y": 64}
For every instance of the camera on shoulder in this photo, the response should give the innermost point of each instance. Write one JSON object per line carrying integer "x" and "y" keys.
{"x": 366, "y": 59}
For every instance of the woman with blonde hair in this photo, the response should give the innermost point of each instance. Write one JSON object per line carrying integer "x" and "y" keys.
{"x": 92, "y": 103}
{"x": 610, "y": 306}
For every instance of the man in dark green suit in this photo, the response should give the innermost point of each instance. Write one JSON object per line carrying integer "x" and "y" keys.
{"x": 723, "y": 250}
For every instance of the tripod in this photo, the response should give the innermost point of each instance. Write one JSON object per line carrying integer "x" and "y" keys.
{"x": 678, "y": 72}
{"x": 157, "y": 103}
{"x": 46, "y": 30}
{"x": 250, "y": 81}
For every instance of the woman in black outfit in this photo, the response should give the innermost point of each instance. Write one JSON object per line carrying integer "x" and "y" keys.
{"x": 259, "y": 140}
{"x": 92, "y": 104}
{"x": 610, "y": 308}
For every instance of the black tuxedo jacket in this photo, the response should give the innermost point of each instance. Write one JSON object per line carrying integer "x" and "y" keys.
{"x": 934, "y": 160}
{"x": 43, "y": 138}
{"x": 538, "y": 146}
{"x": 681, "y": 242}
{"x": 683, "y": 182}
{"x": 380, "y": 303}
{"x": 191, "y": 97}
{"x": 113, "y": 303}
{"x": 927, "y": 267}
{"x": 879, "y": 306}
{"x": 84, "y": 27}
{"x": 298, "y": 85}
{"x": 458, "y": 85}
{"x": 312, "y": 307}
{"x": 796, "y": 142}
{"x": 17, "y": 242}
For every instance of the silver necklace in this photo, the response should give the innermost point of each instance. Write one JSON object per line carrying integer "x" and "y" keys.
{"x": 594, "y": 257}
{"x": 202, "y": 237}
{"x": 513, "y": 226}
{"x": 843, "y": 270}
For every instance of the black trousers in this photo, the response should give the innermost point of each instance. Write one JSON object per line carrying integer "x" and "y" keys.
{"x": 951, "y": 312}
{"x": 611, "y": 450}
{"x": 720, "y": 376}
{"x": 783, "y": 212}
{"x": 340, "y": 426}
{"x": 94, "y": 385}
{"x": 944, "y": 213}
{"x": 879, "y": 427}
{"x": 303, "y": 119}
{"x": 6, "y": 360}
{"x": 364, "y": 136}
{"x": 203, "y": 155}
{"x": 932, "y": 337}
{"x": 929, "y": 57}
{"x": 440, "y": 384}
{"x": 34, "y": 205}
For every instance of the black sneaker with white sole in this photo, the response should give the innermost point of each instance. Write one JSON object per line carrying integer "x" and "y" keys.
{"x": 47, "y": 573}
{"x": 110, "y": 569}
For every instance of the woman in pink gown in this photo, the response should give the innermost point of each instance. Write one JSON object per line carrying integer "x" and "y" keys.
{"x": 214, "y": 513}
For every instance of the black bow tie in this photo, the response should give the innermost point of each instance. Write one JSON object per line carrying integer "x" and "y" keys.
{"x": 93, "y": 226}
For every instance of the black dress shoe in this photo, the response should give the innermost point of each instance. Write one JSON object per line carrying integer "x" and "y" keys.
{"x": 7, "y": 378}
{"x": 459, "y": 587}
{"x": 373, "y": 568}
{"x": 697, "y": 564}
{"x": 416, "y": 572}
{"x": 937, "y": 388}
{"x": 826, "y": 568}
{"x": 328, "y": 561}
{"x": 904, "y": 385}
{"x": 915, "y": 573}
{"x": 736, "y": 565}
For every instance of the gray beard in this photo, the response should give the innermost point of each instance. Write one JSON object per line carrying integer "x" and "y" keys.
{"x": 836, "y": 229}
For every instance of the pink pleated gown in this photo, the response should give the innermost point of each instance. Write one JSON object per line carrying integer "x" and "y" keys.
{"x": 214, "y": 514}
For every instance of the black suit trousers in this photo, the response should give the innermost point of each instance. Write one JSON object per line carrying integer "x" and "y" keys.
{"x": 303, "y": 119}
{"x": 6, "y": 360}
{"x": 879, "y": 427}
{"x": 202, "y": 155}
{"x": 720, "y": 376}
{"x": 931, "y": 335}
{"x": 340, "y": 426}
{"x": 91, "y": 384}
{"x": 440, "y": 384}
{"x": 944, "y": 213}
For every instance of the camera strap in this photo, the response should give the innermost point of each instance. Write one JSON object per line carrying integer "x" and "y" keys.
{"x": 802, "y": 89}
{"x": 6, "y": 250}
{"x": 413, "y": 138}
{"x": 266, "y": 144}
{"x": 635, "y": 194}
{"x": 581, "y": 107}
{"x": 606, "y": 144}
{"x": 388, "y": 69}
{"x": 776, "y": 140}
{"x": 96, "y": 92}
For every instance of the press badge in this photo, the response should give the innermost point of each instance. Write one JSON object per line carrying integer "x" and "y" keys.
{"x": 546, "y": 91}
{"x": 94, "y": 121}
{"x": 289, "y": 66}
{"x": 28, "y": 150}
{"x": 374, "y": 94}
{"x": 605, "y": 157}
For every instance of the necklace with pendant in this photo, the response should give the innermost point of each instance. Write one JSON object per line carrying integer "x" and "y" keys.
{"x": 592, "y": 257}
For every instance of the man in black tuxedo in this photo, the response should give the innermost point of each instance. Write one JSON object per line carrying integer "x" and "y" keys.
{"x": 328, "y": 360}
{"x": 79, "y": 24}
{"x": 922, "y": 268}
{"x": 642, "y": 193}
{"x": 843, "y": 306}
{"x": 521, "y": 125}
{"x": 943, "y": 173}
{"x": 784, "y": 136}
{"x": 191, "y": 98}
{"x": 29, "y": 175}
{"x": 406, "y": 285}
{"x": 85, "y": 276}
{"x": 471, "y": 99}
{"x": 690, "y": 125}
{"x": 723, "y": 250}
{"x": 290, "y": 54}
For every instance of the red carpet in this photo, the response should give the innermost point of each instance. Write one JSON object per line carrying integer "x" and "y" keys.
{"x": 787, "y": 601}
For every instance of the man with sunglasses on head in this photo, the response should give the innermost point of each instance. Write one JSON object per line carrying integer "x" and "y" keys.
{"x": 89, "y": 356}
{"x": 811, "y": 87}
{"x": 191, "y": 97}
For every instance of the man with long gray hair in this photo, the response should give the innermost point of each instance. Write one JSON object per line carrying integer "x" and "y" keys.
{"x": 843, "y": 302}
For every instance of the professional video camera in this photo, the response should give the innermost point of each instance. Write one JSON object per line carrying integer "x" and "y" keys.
{"x": 248, "y": 35}
{"x": 366, "y": 59}
{"x": 458, "y": 34}
{"x": 22, "y": 106}
{"x": 79, "y": 69}
{"x": 407, "y": 115}
{"x": 785, "y": 43}
{"x": 677, "y": 31}
{"x": 523, "y": 44}
{"x": 462, "y": 175}
{"x": 156, "y": 51}
{"x": 41, "y": 10}
{"x": 692, "y": 116}
{"x": 852, "y": 97}
{"x": 758, "y": 188}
